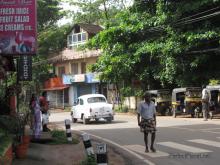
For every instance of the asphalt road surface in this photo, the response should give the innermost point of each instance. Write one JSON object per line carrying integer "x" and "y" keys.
{"x": 179, "y": 141}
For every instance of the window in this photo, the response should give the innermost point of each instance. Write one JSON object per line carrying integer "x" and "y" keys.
{"x": 83, "y": 67}
{"x": 74, "y": 68}
{"x": 70, "y": 40}
{"x": 61, "y": 71}
{"x": 76, "y": 39}
{"x": 79, "y": 37}
{"x": 96, "y": 100}
{"x": 81, "y": 101}
{"x": 83, "y": 36}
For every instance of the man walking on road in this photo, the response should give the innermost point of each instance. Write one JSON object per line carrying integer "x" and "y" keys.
{"x": 147, "y": 120}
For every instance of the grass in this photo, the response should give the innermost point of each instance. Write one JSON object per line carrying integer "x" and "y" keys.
{"x": 59, "y": 137}
{"x": 90, "y": 160}
{"x": 4, "y": 143}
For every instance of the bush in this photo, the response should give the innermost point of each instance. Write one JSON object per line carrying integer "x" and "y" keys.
{"x": 90, "y": 160}
{"x": 4, "y": 142}
{"x": 59, "y": 137}
{"x": 121, "y": 109}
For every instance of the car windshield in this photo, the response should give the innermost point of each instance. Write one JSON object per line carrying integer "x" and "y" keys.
{"x": 96, "y": 100}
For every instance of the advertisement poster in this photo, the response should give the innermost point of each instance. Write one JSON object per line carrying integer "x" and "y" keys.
{"x": 18, "y": 27}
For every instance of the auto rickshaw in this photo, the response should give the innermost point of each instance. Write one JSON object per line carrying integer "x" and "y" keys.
{"x": 162, "y": 99}
{"x": 187, "y": 101}
{"x": 214, "y": 107}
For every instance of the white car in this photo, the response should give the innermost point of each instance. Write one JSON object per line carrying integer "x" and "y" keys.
{"x": 92, "y": 106}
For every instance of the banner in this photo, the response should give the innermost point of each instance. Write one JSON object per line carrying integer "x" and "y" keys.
{"x": 18, "y": 27}
{"x": 25, "y": 68}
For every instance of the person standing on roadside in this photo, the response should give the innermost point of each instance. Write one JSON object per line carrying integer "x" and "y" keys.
{"x": 35, "y": 116}
{"x": 44, "y": 109}
{"x": 147, "y": 120}
{"x": 31, "y": 107}
{"x": 205, "y": 103}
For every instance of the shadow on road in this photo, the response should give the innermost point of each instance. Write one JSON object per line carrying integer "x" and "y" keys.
{"x": 92, "y": 122}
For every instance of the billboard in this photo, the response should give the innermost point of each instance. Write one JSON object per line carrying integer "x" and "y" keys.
{"x": 18, "y": 27}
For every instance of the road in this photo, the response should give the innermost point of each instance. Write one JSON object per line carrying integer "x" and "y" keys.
{"x": 179, "y": 141}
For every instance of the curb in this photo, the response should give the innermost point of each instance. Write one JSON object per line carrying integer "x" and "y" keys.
{"x": 130, "y": 157}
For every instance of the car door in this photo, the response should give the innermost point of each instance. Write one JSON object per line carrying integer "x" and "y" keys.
{"x": 80, "y": 108}
{"x": 76, "y": 112}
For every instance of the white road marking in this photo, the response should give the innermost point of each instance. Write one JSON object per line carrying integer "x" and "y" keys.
{"x": 183, "y": 147}
{"x": 188, "y": 129}
{"x": 122, "y": 147}
{"x": 141, "y": 149}
{"x": 206, "y": 142}
{"x": 208, "y": 129}
{"x": 212, "y": 132}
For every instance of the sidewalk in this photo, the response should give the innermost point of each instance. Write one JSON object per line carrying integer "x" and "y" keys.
{"x": 66, "y": 154}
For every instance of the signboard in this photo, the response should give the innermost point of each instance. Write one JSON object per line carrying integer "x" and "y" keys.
{"x": 80, "y": 78}
{"x": 17, "y": 27}
{"x": 25, "y": 68}
{"x": 101, "y": 148}
{"x": 92, "y": 78}
{"x": 69, "y": 79}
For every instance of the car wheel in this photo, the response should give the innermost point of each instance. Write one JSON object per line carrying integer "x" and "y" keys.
{"x": 85, "y": 121}
{"x": 74, "y": 120}
{"x": 96, "y": 120}
{"x": 109, "y": 119}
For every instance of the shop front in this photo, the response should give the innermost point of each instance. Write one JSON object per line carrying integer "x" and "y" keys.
{"x": 57, "y": 93}
{"x": 81, "y": 84}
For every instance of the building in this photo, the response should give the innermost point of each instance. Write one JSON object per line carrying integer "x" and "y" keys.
{"x": 71, "y": 65}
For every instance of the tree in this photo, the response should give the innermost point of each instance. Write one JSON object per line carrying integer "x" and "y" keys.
{"x": 162, "y": 43}
{"x": 48, "y": 13}
{"x": 51, "y": 37}
{"x": 96, "y": 11}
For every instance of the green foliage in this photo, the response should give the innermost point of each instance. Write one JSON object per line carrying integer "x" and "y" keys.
{"x": 59, "y": 137}
{"x": 49, "y": 13}
{"x": 95, "y": 11}
{"x": 121, "y": 109}
{"x": 161, "y": 44}
{"x": 90, "y": 160}
{"x": 5, "y": 141}
{"x": 51, "y": 39}
{"x": 214, "y": 82}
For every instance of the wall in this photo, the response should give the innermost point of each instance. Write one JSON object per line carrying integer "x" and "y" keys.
{"x": 131, "y": 102}
{"x": 67, "y": 65}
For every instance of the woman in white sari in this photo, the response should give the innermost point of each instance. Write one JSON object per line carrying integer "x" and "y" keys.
{"x": 37, "y": 119}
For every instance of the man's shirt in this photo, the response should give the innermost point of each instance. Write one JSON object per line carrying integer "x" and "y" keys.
{"x": 146, "y": 110}
{"x": 206, "y": 95}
